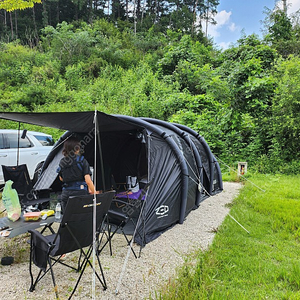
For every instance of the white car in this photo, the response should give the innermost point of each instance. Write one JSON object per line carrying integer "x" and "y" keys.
{"x": 33, "y": 149}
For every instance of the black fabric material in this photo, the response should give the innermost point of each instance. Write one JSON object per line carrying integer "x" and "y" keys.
{"x": 117, "y": 218}
{"x": 165, "y": 190}
{"x": 66, "y": 194}
{"x": 73, "y": 121}
{"x": 20, "y": 176}
{"x": 40, "y": 248}
{"x": 76, "y": 231}
{"x": 73, "y": 168}
{"x": 78, "y": 219}
{"x": 23, "y": 185}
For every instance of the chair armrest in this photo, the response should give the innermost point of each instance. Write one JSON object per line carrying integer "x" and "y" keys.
{"x": 38, "y": 238}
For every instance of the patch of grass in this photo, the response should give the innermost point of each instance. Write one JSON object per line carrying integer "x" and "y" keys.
{"x": 18, "y": 247}
{"x": 261, "y": 265}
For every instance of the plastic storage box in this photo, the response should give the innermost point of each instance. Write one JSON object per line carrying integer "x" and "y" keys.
{"x": 32, "y": 216}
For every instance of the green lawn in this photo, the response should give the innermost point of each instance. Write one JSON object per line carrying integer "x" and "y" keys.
{"x": 261, "y": 265}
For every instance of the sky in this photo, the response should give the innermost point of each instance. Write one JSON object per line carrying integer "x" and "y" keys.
{"x": 235, "y": 17}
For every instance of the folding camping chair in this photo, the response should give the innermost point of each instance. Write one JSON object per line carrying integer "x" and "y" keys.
{"x": 21, "y": 180}
{"x": 22, "y": 184}
{"x": 75, "y": 233}
{"x": 116, "y": 220}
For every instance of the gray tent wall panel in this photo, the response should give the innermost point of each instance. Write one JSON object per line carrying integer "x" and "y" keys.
{"x": 191, "y": 168}
{"x": 206, "y": 171}
{"x": 162, "y": 208}
{"x": 167, "y": 196}
{"x": 218, "y": 183}
{"x": 192, "y": 157}
{"x": 215, "y": 177}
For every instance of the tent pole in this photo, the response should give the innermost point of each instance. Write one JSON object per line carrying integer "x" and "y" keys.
{"x": 101, "y": 157}
{"x": 18, "y": 152}
{"x": 94, "y": 214}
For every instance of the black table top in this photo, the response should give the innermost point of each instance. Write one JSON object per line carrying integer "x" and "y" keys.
{"x": 21, "y": 226}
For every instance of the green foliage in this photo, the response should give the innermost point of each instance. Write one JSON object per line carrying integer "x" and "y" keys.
{"x": 248, "y": 71}
{"x": 183, "y": 50}
{"x": 286, "y": 104}
{"x": 243, "y": 101}
{"x": 65, "y": 44}
{"x": 11, "y": 5}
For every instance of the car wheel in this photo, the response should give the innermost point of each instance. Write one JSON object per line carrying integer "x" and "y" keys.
{"x": 37, "y": 173}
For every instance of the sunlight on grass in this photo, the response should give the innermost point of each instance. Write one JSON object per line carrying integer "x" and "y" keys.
{"x": 261, "y": 265}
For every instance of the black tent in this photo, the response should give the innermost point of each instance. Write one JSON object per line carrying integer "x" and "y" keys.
{"x": 176, "y": 161}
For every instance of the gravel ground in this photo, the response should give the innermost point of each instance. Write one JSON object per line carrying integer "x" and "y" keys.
{"x": 142, "y": 276}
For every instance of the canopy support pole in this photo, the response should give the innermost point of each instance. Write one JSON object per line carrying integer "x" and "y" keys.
{"x": 94, "y": 213}
{"x": 97, "y": 133}
{"x": 18, "y": 152}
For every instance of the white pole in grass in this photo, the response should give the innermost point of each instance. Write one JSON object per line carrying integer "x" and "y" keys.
{"x": 94, "y": 212}
{"x": 238, "y": 223}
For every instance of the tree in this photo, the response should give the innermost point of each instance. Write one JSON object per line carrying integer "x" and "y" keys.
{"x": 11, "y": 5}
{"x": 280, "y": 32}
{"x": 286, "y": 112}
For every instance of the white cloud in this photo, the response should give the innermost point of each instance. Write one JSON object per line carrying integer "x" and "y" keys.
{"x": 232, "y": 27}
{"x": 224, "y": 45}
{"x": 223, "y": 19}
{"x": 293, "y": 5}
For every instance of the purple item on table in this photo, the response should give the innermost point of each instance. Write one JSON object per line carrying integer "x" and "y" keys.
{"x": 130, "y": 195}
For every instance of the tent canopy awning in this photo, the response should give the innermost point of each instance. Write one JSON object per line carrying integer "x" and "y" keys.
{"x": 71, "y": 121}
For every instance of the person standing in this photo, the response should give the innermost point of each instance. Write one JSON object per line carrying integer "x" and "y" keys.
{"x": 74, "y": 171}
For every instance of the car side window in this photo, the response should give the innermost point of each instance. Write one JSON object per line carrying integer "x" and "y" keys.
{"x": 13, "y": 141}
{"x": 45, "y": 140}
{"x": 1, "y": 142}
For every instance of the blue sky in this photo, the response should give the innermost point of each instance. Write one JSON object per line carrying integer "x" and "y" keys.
{"x": 237, "y": 16}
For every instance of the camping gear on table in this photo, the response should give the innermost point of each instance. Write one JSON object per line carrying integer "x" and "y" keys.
{"x": 32, "y": 216}
{"x": 132, "y": 184}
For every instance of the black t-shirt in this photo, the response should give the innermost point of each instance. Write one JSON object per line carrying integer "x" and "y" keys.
{"x": 73, "y": 168}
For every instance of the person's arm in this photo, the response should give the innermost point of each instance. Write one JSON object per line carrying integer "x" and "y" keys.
{"x": 90, "y": 184}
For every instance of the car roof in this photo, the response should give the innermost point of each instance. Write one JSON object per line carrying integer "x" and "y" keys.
{"x": 28, "y": 131}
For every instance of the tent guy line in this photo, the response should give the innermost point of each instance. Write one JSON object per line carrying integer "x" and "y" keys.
{"x": 230, "y": 168}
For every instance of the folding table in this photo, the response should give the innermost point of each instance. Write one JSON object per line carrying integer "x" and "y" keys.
{"x": 21, "y": 226}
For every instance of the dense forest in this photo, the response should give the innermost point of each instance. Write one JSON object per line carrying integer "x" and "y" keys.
{"x": 152, "y": 58}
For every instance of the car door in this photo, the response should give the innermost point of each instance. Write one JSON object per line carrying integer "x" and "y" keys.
{"x": 4, "y": 158}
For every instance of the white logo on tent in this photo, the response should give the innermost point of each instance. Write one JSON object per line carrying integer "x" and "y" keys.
{"x": 162, "y": 211}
